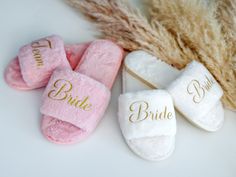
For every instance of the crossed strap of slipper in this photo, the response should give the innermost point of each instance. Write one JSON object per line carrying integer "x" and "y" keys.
{"x": 147, "y": 118}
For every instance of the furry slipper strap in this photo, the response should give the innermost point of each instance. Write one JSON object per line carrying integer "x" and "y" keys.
{"x": 36, "y": 61}
{"x": 195, "y": 92}
{"x": 39, "y": 58}
{"x": 146, "y": 114}
{"x": 75, "y": 98}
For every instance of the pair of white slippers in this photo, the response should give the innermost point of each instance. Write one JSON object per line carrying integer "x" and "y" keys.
{"x": 147, "y": 117}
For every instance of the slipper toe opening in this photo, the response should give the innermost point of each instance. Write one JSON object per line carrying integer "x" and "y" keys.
{"x": 153, "y": 148}
{"x": 61, "y": 132}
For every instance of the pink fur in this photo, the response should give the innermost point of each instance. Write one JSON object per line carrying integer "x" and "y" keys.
{"x": 13, "y": 76}
{"x": 52, "y": 58}
{"x": 100, "y": 63}
{"x": 75, "y": 52}
{"x": 61, "y": 132}
{"x": 82, "y": 86}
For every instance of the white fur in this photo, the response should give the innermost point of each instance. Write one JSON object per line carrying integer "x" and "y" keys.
{"x": 156, "y": 147}
{"x": 207, "y": 112}
{"x": 208, "y": 115}
{"x": 157, "y": 100}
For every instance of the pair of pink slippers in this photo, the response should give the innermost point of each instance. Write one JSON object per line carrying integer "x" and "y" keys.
{"x": 74, "y": 101}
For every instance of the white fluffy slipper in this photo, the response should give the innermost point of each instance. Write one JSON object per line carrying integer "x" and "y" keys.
{"x": 147, "y": 119}
{"x": 195, "y": 92}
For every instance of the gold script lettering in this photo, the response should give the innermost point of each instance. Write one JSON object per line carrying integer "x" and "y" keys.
{"x": 138, "y": 108}
{"x": 198, "y": 90}
{"x": 36, "y": 52}
{"x": 61, "y": 92}
{"x": 62, "y": 87}
{"x": 140, "y": 112}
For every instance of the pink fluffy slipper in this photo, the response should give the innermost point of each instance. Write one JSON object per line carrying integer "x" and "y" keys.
{"x": 36, "y": 61}
{"x": 74, "y": 101}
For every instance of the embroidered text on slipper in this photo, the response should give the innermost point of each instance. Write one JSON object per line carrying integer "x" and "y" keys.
{"x": 44, "y": 43}
{"x": 61, "y": 92}
{"x": 140, "y": 111}
{"x": 198, "y": 90}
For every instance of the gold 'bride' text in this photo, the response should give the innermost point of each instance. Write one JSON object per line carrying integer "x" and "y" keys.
{"x": 61, "y": 92}
{"x": 198, "y": 90}
{"x": 140, "y": 112}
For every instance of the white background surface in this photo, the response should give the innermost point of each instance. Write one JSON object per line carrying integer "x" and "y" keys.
{"x": 24, "y": 152}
